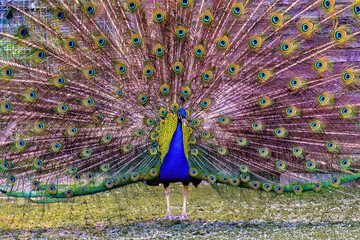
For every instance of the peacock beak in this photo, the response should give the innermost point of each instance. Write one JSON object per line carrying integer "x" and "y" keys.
{"x": 183, "y": 121}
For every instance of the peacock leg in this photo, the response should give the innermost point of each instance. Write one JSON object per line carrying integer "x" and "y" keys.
{"x": 183, "y": 215}
{"x": 167, "y": 193}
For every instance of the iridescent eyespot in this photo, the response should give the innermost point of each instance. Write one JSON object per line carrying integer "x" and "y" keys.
{"x": 71, "y": 131}
{"x": 276, "y": 19}
{"x": 89, "y": 72}
{"x": 264, "y": 75}
{"x": 148, "y": 71}
{"x": 267, "y": 187}
{"x": 38, "y": 127}
{"x": 335, "y": 182}
{"x": 281, "y": 165}
{"x": 325, "y": 99}
{"x": 297, "y": 189}
{"x": 69, "y": 193}
{"x": 192, "y": 140}
{"x": 20, "y": 145}
{"x": 348, "y": 77}
{"x": 287, "y": 47}
{"x": 159, "y": 50}
{"x": 347, "y": 112}
{"x": 264, "y": 102}
{"x": 159, "y": 16}
{"x": 162, "y": 112}
{"x": 88, "y": 102}
{"x": 256, "y": 126}
{"x": 317, "y": 186}
{"x": 205, "y": 134}
{"x": 196, "y": 122}
{"x": 100, "y": 41}
{"x": 222, "y": 151}
{"x": 86, "y": 152}
{"x": 264, "y": 152}
{"x": 316, "y": 125}
{"x": 311, "y": 165}
{"x": 180, "y": 32}
{"x": 89, "y": 8}
{"x": 207, "y": 76}
{"x": 292, "y": 111}
{"x": 185, "y": 3}
{"x": 332, "y": 146}
{"x": 242, "y": 141}
{"x": 223, "y": 42}
{"x": 62, "y": 108}
{"x": 58, "y": 81}
{"x": 4, "y": 165}
{"x": 193, "y": 172}
{"x": 306, "y": 28}
{"x": 136, "y": 39}
{"x": 279, "y": 189}
{"x": 5, "y": 106}
{"x": 35, "y": 184}
{"x": 297, "y": 83}
{"x": 194, "y": 152}
{"x": 223, "y": 120}
{"x": 177, "y": 67}
{"x": 72, "y": 169}
{"x": 106, "y": 139}
{"x": 55, "y": 147}
{"x": 327, "y": 4}
{"x": 143, "y": 98}
{"x": 23, "y": 32}
{"x": 281, "y": 132}
{"x": 97, "y": 117}
{"x": 237, "y": 9}
{"x": 255, "y": 185}
{"x": 345, "y": 163}
{"x": 139, "y": 133}
{"x": 132, "y": 5}
{"x": 121, "y": 68}
{"x": 244, "y": 169}
{"x": 126, "y": 148}
{"x": 298, "y": 152}
{"x": 234, "y": 181}
{"x": 59, "y": 14}
{"x": 255, "y": 42}
{"x": 233, "y": 69}
{"x": 206, "y": 17}
{"x": 356, "y": 9}
{"x": 76, "y": 177}
{"x": 109, "y": 183}
{"x": 39, "y": 55}
{"x": 205, "y": 103}
{"x": 30, "y": 96}
{"x": 186, "y": 92}
{"x": 70, "y": 44}
{"x": 153, "y": 151}
{"x": 90, "y": 177}
{"x": 11, "y": 179}
{"x": 199, "y": 51}
{"x": 7, "y": 72}
{"x": 175, "y": 107}
{"x": 321, "y": 65}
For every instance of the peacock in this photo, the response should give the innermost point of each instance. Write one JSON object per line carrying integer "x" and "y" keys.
{"x": 96, "y": 95}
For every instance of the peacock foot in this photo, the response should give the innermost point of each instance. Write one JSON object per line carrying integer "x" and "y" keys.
{"x": 168, "y": 217}
{"x": 182, "y": 217}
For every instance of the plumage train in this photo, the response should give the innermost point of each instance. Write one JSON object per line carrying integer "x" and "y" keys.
{"x": 96, "y": 95}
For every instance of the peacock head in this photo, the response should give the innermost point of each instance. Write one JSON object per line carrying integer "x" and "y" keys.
{"x": 182, "y": 116}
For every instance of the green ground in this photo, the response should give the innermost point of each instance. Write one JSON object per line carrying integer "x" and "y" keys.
{"x": 222, "y": 213}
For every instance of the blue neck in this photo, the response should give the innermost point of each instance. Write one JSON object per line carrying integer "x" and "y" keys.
{"x": 175, "y": 167}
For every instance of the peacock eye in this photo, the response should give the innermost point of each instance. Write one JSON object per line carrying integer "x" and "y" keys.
{"x": 305, "y": 27}
{"x": 356, "y": 9}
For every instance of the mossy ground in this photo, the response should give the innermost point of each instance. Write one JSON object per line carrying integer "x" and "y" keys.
{"x": 216, "y": 213}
